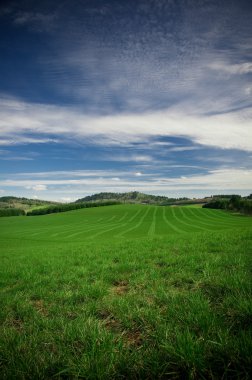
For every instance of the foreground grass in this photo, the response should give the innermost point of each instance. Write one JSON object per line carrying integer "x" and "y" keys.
{"x": 160, "y": 308}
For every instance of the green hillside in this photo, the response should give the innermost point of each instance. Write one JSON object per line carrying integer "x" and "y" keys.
{"x": 120, "y": 221}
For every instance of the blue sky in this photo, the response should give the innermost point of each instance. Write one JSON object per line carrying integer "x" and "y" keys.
{"x": 148, "y": 95}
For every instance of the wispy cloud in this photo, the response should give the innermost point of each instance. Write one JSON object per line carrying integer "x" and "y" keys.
{"x": 170, "y": 93}
{"x": 37, "y": 187}
{"x": 183, "y": 148}
{"x": 39, "y": 21}
{"x": 224, "y": 180}
{"x": 62, "y": 174}
{"x": 134, "y": 157}
{"x": 51, "y": 124}
{"x": 160, "y": 57}
{"x": 17, "y": 158}
{"x": 239, "y": 68}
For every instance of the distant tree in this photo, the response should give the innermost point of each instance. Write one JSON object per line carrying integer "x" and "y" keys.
{"x": 235, "y": 202}
{"x": 11, "y": 212}
{"x": 69, "y": 207}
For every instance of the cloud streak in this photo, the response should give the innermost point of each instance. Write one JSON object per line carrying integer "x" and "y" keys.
{"x": 240, "y": 68}
{"x": 37, "y": 187}
{"x": 19, "y": 121}
{"x": 223, "y": 180}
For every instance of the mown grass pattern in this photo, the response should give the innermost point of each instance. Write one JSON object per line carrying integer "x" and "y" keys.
{"x": 118, "y": 222}
{"x": 171, "y": 302}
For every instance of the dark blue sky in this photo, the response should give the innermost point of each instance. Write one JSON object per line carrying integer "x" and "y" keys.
{"x": 149, "y": 95}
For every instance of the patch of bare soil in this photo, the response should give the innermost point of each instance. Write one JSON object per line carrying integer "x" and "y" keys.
{"x": 40, "y": 307}
{"x": 110, "y": 322}
{"x": 133, "y": 338}
{"x": 120, "y": 287}
{"x": 16, "y": 323}
{"x": 71, "y": 315}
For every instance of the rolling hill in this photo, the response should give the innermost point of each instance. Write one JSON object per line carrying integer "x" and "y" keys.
{"x": 131, "y": 197}
{"x": 22, "y": 203}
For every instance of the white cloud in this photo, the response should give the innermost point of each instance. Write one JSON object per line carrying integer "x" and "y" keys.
{"x": 17, "y": 158}
{"x": 248, "y": 90}
{"x": 20, "y": 120}
{"x": 240, "y": 68}
{"x": 18, "y": 140}
{"x": 37, "y": 187}
{"x": 73, "y": 173}
{"x": 221, "y": 180}
{"x": 183, "y": 148}
{"x": 66, "y": 199}
{"x": 128, "y": 157}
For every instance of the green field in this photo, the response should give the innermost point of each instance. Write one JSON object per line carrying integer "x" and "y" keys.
{"x": 117, "y": 222}
{"x": 126, "y": 292}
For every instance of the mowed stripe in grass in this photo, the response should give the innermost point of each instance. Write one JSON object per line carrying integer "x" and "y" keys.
{"x": 121, "y": 221}
{"x": 168, "y": 307}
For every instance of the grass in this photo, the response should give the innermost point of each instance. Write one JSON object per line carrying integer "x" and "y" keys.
{"x": 126, "y": 292}
{"x": 117, "y": 222}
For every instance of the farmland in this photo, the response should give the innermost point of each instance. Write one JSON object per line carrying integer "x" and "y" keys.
{"x": 120, "y": 221}
{"x": 126, "y": 292}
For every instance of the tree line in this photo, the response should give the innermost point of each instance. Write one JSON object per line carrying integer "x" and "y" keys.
{"x": 68, "y": 207}
{"x": 11, "y": 212}
{"x": 234, "y": 203}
